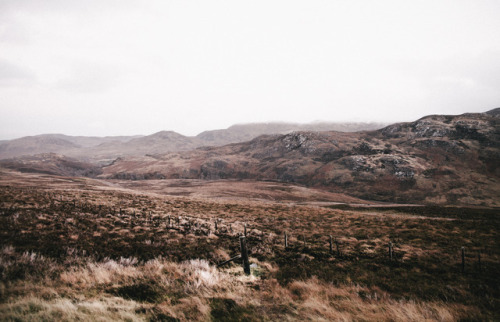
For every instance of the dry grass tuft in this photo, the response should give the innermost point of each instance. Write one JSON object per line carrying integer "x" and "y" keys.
{"x": 102, "y": 309}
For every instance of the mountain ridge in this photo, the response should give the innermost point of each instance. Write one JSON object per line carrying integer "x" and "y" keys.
{"x": 105, "y": 149}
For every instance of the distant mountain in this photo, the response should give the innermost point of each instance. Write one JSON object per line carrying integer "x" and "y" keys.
{"x": 35, "y": 145}
{"x": 92, "y": 141}
{"x": 158, "y": 143}
{"x": 246, "y": 132}
{"x": 439, "y": 159}
{"x": 54, "y": 143}
{"x": 103, "y": 150}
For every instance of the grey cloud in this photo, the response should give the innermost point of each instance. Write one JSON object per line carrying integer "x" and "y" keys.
{"x": 14, "y": 75}
{"x": 478, "y": 74}
{"x": 37, "y": 6}
{"x": 468, "y": 83}
{"x": 88, "y": 78}
{"x": 486, "y": 70}
{"x": 11, "y": 33}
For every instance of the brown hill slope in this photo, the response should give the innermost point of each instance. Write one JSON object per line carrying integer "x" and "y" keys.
{"x": 51, "y": 163}
{"x": 437, "y": 159}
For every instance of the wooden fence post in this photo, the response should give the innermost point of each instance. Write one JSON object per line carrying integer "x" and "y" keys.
{"x": 479, "y": 261}
{"x": 244, "y": 255}
{"x": 286, "y": 240}
{"x": 245, "y": 230}
{"x": 463, "y": 259}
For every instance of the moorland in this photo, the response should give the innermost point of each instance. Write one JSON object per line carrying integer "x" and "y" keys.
{"x": 396, "y": 224}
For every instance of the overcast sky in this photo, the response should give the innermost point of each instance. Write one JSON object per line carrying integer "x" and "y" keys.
{"x": 124, "y": 67}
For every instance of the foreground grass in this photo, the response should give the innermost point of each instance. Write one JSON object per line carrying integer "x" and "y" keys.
{"x": 159, "y": 290}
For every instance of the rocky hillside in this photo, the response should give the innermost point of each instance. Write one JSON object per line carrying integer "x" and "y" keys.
{"x": 437, "y": 159}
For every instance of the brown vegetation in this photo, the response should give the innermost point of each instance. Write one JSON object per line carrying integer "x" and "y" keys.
{"x": 78, "y": 248}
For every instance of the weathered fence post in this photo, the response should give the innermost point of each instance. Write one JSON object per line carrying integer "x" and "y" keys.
{"x": 245, "y": 230}
{"x": 286, "y": 240}
{"x": 390, "y": 250}
{"x": 244, "y": 255}
{"x": 479, "y": 261}
{"x": 331, "y": 244}
{"x": 215, "y": 224}
{"x": 463, "y": 259}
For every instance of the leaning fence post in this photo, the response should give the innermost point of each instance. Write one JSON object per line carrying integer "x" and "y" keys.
{"x": 463, "y": 259}
{"x": 244, "y": 255}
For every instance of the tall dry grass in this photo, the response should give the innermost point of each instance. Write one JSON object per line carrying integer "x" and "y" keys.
{"x": 129, "y": 290}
